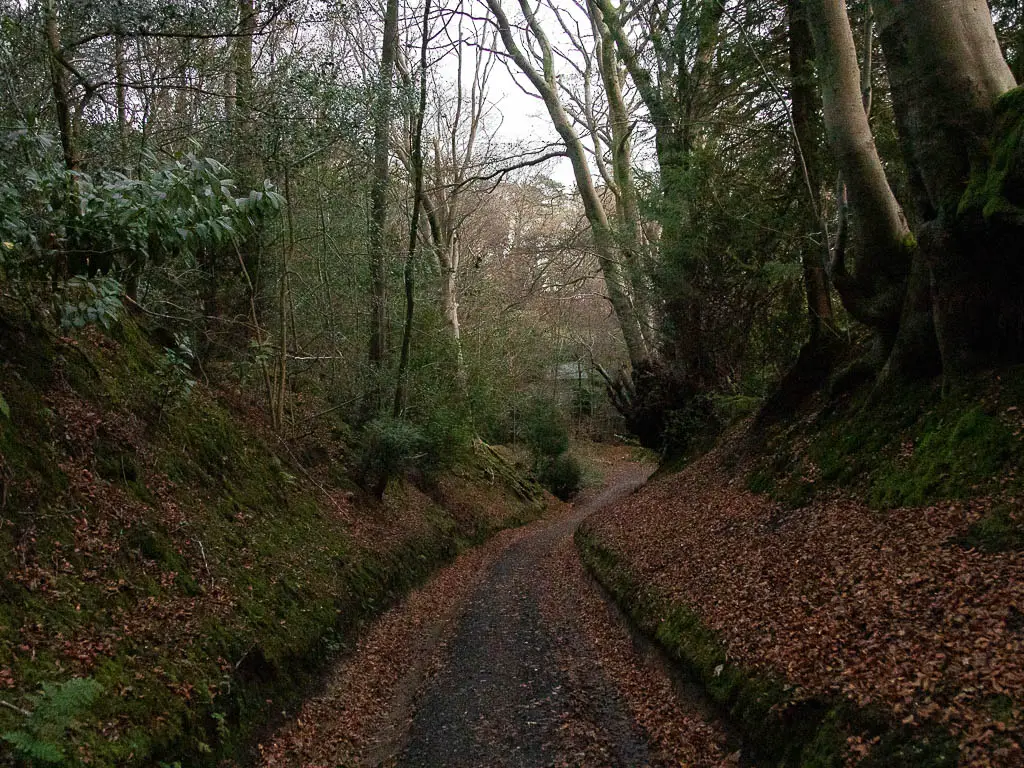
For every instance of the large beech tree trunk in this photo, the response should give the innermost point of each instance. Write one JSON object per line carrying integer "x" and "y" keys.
{"x": 947, "y": 72}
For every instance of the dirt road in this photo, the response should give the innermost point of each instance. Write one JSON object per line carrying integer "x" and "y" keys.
{"x": 509, "y": 657}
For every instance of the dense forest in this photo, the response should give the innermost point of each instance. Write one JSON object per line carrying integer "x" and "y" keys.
{"x": 301, "y": 298}
{"x": 324, "y": 198}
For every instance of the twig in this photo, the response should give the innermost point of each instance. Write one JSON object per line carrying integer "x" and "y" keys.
{"x": 206, "y": 564}
{"x": 17, "y": 709}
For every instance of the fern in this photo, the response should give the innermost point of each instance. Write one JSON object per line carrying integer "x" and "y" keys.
{"x": 39, "y": 740}
{"x": 31, "y": 748}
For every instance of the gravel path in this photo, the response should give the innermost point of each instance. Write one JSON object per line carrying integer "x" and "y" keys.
{"x": 509, "y": 657}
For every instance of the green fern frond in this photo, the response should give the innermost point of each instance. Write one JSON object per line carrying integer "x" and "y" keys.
{"x": 60, "y": 702}
{"x": 33, "y": 748}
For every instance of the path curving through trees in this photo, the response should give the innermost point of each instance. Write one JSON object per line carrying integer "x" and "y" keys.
{"x": 509, "y": 657}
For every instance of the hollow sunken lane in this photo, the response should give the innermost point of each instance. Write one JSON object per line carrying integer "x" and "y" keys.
{"x": 509, "y": 657}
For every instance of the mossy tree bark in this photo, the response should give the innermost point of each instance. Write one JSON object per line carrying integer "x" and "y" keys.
{"x": 947, "y": 73}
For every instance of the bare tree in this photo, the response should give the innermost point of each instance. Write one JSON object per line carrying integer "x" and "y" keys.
{"x": 539, "y": 69}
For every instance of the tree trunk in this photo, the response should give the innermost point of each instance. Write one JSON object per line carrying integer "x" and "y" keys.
{"x": 120, "y": 96}
{"x": 875, "y": 293}
{"x": 805, "y": 105}
{"x": 246, "y": 156}
{"x": 379, "y": 198}
{"x": 402, "y": 384}
{"x": 604, "y": 238}
{"x": 947, "y": 72}
{"x": 628, "y": 220}
{"x": 58, "y": 82}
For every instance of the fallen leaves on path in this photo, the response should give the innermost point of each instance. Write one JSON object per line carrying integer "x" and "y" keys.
{"x": 680, "y": 731}
{"x": 363, "y": 712}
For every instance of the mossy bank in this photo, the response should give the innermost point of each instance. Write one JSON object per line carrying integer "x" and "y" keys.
{"x": 158, "y": 539}
{"x": 778, "y": 725}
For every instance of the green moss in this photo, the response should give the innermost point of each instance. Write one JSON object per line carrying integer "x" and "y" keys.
{"x": 1000, "y": 530}
{"x": 1001, "y": 707}
{"x": 910, "y": 447}
{"x": 782, "y": 729}
{"x": 953, "y": 456}
{"x": 996, "y": 189}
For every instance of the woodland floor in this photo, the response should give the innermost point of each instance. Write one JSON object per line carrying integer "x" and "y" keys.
{"x": 895, "y": 609}
{"x": 511, "y": 656}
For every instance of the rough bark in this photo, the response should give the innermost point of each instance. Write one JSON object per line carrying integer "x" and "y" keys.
{"x": 947, "y": 72}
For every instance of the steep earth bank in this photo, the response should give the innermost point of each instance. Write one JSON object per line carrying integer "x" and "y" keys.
{"x": 866, "y": 604}
{"x": 196, "y": 570}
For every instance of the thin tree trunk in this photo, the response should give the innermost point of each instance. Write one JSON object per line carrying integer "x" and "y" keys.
{"x": 674, "y": 102}
{"x": 805, "y": 104}
{"x": 120, "y": 96}
{"x": 629, "y": 222}
{"x": 282, "y": 324}
{"x": 243, "y": 131}
{"x": 604, "y": 238}
{"x": 379, "y": 204}
{"x": 58, "y": 83}
{"x": 402, "y": 386}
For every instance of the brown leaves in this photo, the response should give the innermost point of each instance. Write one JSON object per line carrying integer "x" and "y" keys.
{"x": 880, "y": 607}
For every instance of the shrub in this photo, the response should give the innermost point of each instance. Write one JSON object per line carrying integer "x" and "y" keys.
{"x": 545, "y": 430}
{"x": 447, "y": 440}
{"x": 562, "y": 475}
{"x": 389, "y": 447}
